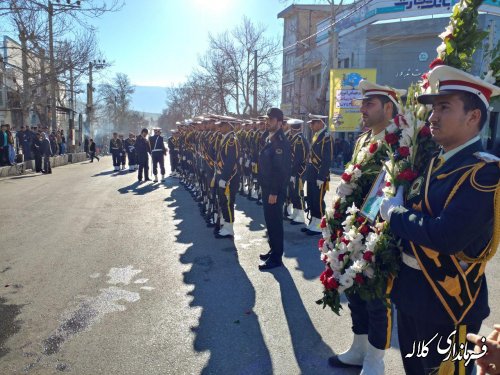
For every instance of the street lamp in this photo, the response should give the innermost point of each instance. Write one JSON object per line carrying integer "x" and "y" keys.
{"x": 93, "y": 65}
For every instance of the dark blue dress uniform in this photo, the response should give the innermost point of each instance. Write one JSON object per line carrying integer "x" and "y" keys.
{"x": 274, "y": 174}
{"x": 299, "y": 156}
{"x": 123, "y": 153}
{"x": 318, "y": 168}
{"x": 115, "y": 146}
{"x": 158, "y": 152}
{"x": 173, "y": 151}
{"x": 447, "y": 231}
{"x": 143, "y": 149}
{"x": 131, "y": 153}
{"x": 227, "y": 170}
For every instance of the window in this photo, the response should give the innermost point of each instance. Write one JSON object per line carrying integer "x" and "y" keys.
{"x": 318, "y": 80}
{"x": 289, "y": 62}
{"x": 312, "y": 82}
{"x": 287, "y": 93}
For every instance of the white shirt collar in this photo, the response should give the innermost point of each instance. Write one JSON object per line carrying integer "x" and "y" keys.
{"x": 449, "y": 154}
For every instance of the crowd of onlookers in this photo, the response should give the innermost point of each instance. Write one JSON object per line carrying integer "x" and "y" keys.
{"x": 33, "y": 143}
{"x": 342, "y": 151}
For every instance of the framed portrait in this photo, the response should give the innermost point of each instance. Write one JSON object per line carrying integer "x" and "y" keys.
{"x": 371, "y": 205}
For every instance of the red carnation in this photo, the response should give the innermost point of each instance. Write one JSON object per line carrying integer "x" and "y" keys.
{"x": 346, "y": 177}
{"x": 407, "y": 175}
{"x": 399, "y": 120}
{"x": 359, "y": 279}
{"x": 345, "y": 240}
{"x": 321, "y": 242}
{"x": 368, "y": 255}
{"x": 436, "y": 62}
{"x": 404, "y": 151}
{"x": 333, "y": 237}
{"x": 341, "y": 257}
{"x": 325, "y": 275}
{"x": 425, "y": 131}
{"x": 373, "y": 148}
{"x": 322, "y": 225}
{"x": 331, "y": 283}
{"x": 357, "y": 166}
{"x": 387, "y": 184}
{"x": 364, "y": 230}
{"x": 337, "y": 205}
{"x": 391, "y": 138}
{"x": 337, "y": 215}
{"x": 360, "y": 220}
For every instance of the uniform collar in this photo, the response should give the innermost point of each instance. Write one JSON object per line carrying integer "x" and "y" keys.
{"x": 377, "y": 137}
{"x": 447, "y": 155}
{"x": 225, "y": 136}
{"x": 318, "y": 133}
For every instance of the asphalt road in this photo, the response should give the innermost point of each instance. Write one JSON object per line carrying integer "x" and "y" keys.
{"x": 100, "y": 275}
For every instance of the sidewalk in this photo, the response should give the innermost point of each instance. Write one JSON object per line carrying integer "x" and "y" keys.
{"x": 55, "y": 161}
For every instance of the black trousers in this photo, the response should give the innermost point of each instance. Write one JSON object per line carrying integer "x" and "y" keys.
{"x": 174, "y": 161}
{"x": 226, "y": 199}
{"x": 116, "y": 158}
{"x": 273, "y": 215}
{"x": 46, "y": 164}
{"x": 38, "y": 163}
{"x": 315, "y": 197}
{"x": 158, "y": 158}
{"x": 92, "y": 156}
{"x": 131, "y": 158}
{"x": 372, "y": 318}
{"x": 411, "y": 331}
{"x": 123, "y": 157}
{"x": 143, "y": 167}
{"x": 297, "y": 194}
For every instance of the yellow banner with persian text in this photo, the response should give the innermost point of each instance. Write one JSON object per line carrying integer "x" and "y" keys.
{"x": 344, "y": 113}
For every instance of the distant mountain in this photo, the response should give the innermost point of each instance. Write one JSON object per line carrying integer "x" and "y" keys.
{"x": 150, "y": 99}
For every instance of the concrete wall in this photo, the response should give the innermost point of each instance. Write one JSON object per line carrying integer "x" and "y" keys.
{"x": 55, "y": 161}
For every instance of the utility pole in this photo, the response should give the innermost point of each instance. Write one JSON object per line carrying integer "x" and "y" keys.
{"x": 26, "y": 89}
{"x": 52, "y": 72}
{"x": 255, "y": 110}
{"x": 96, "y": 64}
{"x": 71, "y": 134}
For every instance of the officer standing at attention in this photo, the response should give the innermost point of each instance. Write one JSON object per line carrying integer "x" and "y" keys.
{"x": 318, "y": 172}
{"x": 158, "y": 152}
{"x": 173, "y": 152}
{"x": 123, "y": 152}
{"x": 131, "y": 154}
{"x": 226, "y": 176}
{"x": 143, "y": 150}
{"x": 299, "y": 156}
{"x": 274, "y": 174}
{"x": 115, "y": 147}
{"x": 449, "y": 226}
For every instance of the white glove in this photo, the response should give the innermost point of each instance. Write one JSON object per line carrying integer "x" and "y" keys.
{"x": 247, "y": 164}
{"x": 222, "y": 184}
{"x": 253, "y": 165}
{"x": 241, "y": 161}
{"x": 389, "y": 204}
{"x": 292, "y": 180}
{"x": 183, "y": 158}
{"x": 319, "y": 183}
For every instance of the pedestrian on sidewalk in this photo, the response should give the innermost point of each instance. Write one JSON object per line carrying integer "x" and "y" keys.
{"x": 36, "y": 149}
{"x": 47, "y": 153}
{"x": 92, "y": 151}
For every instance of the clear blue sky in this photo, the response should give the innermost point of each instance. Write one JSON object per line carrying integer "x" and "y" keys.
{"x": 157, "y": 42}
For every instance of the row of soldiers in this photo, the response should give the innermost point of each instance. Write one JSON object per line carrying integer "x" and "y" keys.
{"x": 138, "y": 149}
{"x": 217, "y": 157}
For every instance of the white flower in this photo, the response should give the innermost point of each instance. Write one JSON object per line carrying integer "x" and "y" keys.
{"x": 441, "y": 49}
{"x": 391, "y": 128}
{"x": 346, "y": 280}
{"x": 357, "y": 173}
{"x": 447, "y": 32}
{"x": 352, "y": 210}
{"x": 362, "y": 155}
{"x": 358, "y": 266}
{"x": 344, "y": 189}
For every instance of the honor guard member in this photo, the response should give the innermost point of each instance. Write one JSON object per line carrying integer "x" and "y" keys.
{"x": 318, "y": 172}
{"x": 130, "y": 149}
{"x": 115, "y": 147}
{"x": 123, "y": 152}
{"x": 299, "y": 156}
{"x": 288, "y": 206}
{"x": 449, "y": 226}
{"x": 173, "y": 152}
{"x": 143, "y": 150}
{"x": 158, "y": 152}
{"x": 372, "y": 320}
{"x": 226, "y": 176}
{"x": 274, "y": 174}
